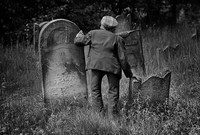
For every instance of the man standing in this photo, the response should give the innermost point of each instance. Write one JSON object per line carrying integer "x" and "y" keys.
{"x": 106, "y": 56}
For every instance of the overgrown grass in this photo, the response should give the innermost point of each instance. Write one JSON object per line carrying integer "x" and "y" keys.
{"x": 22, "y": 110}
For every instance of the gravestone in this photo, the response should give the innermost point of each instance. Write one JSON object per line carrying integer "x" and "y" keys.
{"x": 134, "y": 50}
{"x": 62, "y": 62}
{"x": 170, "y": 52}
{"x": 133, "y": 44}
{"x": 124, "y": 23}
{"x": 154, "y": 90}
{"x": 167, "y": 54}
{"x": 36, "y": 31}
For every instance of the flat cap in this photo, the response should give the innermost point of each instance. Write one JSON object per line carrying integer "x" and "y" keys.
{"x": 109, "y": 21}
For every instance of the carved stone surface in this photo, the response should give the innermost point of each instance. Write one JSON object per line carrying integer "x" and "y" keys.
{"x": 154, "y": 90}
{"x": 62, "y": 62}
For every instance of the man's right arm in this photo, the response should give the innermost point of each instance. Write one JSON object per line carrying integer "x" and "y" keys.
{"x": 81, "y": 39}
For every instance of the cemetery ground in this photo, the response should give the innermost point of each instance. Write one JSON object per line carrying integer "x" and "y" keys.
{"x": 22, "y": 110}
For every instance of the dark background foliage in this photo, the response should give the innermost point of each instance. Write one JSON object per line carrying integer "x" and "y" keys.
{"x": 17, "y": 15}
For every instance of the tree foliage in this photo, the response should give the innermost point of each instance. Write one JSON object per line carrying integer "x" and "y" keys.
{"x": 16, "y": 14}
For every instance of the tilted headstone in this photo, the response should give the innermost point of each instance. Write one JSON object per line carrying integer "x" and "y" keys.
{"x": 62, "y": 62}
{"x": 133, "y": 44}
{"x": 170, "y": 52}
{"x": 155, "y": 90}
{"x": 134, "y": 50}
{"x": 167, "y": 54}
{"x": 36, "y": 31}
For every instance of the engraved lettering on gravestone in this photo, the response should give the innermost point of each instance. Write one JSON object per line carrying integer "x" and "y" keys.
{"x": 63, "y": 63}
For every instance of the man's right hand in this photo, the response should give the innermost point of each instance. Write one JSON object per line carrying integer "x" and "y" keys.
{"x": 136, "y": 78}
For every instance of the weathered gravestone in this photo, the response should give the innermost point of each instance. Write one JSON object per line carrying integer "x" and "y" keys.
{"x": 167, "y": 54}
{"x": 62, "y": 62}
{"x": 170, "y": 52}
{"x": 133, "y": 44}
{"x": 154, "y": 90}
{"x": 36, "y": 31}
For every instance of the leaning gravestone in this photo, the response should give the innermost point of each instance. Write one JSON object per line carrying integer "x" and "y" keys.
{"x": 154, "y": 90}
{"x": 36, "y": 31}
{"x": 133, "y": 44}
{"x": 167, "y": 54}
{"x": 62, "y": 62}
{"x": 170, "y": 52}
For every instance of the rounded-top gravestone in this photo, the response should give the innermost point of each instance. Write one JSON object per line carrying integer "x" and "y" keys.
{"x": 62, "y": 62}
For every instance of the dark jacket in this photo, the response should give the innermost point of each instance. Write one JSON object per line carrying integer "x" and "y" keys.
{"x": 106, "y": 53}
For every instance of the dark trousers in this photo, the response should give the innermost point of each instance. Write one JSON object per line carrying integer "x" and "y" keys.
{"x": 113, "y": 92}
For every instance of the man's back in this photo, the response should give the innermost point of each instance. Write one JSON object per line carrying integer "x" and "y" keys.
{"x": 103, "y": 51}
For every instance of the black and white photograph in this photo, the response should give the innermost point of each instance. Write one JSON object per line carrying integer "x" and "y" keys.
{"x": 99, "y": 67}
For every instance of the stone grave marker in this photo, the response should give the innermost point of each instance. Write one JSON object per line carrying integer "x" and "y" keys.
{"x": 170, "y": 52}
{"x": 62, "y": 62}
{"x": 36, "y": 31}
{"x": 134, "y": 50}
{"x": 133, "y": 44}
{"x": 154, "y": 90}
{"x": 167, "y": 54}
